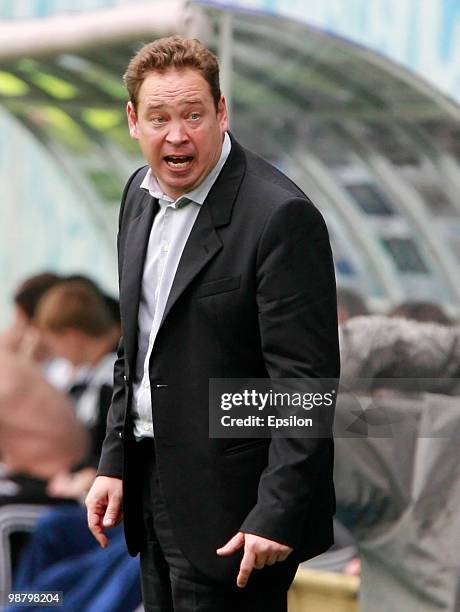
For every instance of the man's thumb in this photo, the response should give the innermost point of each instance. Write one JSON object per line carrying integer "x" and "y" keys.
{"x": 232, "y": 545}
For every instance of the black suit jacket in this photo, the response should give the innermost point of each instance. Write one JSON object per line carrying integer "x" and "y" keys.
{"x": 253, "y": 296}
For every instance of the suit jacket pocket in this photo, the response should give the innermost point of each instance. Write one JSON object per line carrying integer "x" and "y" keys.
{"x": 221, "y": 285}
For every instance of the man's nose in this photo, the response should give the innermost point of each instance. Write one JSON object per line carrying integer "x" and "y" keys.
{"x": 177, "y": 134}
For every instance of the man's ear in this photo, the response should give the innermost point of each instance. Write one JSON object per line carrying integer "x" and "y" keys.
{"x": 222, "y": 114}
{"x": 132, "y": 120}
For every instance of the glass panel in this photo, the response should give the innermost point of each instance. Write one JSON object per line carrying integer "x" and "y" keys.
{"x": 296, "y": 68}
{"x": 435, "y": 199}
{"x": 446, "y": 134}
{"x": 405, "y": 254}
{"x": 411, "y": 159}
{"x": 389, "y": 142}
{"x": 327, "y": 142}
{"x": 370, "y": 199}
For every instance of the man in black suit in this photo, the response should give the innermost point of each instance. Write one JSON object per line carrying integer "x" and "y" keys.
{"x": 225, "y": 272}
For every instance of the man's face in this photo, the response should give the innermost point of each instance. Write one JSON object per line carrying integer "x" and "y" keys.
{"x": 178, "y": 128}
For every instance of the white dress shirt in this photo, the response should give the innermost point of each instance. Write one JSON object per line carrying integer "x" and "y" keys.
{"x": 170, "y": 230}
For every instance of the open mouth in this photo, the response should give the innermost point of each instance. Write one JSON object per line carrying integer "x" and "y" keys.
{"x": 178, "y": 161}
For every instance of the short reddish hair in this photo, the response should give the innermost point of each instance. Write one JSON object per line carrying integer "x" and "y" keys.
{"x": 172, "y": 52}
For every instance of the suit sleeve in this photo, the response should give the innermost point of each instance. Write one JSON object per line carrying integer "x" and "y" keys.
{"x": 297, "y": 306}
{"x": 111, "y": 461}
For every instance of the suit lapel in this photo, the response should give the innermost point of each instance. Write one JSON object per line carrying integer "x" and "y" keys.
{"x": 137, "y": 239}
{"x": 216, "y": 211}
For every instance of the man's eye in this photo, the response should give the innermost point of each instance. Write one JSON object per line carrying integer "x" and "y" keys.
{"x": 195, "y": 116}
{"x": 158, "y": 120}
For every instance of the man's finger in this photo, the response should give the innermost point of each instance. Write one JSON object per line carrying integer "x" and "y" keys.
{"x": 104, "y": 506}
{"x": 113, "y": 512}
{"x": 232, "y": 545}
{"x": 282, "y": 556}
{"x": 100, "y": 537}
{"x": 94, "y": 524}
{"x": 272, "y": 559}
{"x": 246, "y": 567}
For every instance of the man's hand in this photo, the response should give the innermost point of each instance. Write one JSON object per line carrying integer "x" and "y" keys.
{"x": 258, "y": 552}
{"x": 103, "y": 503}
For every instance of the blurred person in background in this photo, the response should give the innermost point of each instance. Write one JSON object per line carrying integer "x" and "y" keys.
{"x": 77, "y": 324}
{"x": 77, "y": 321}
{"x": 71, "y": 321}
{"x": 40, "y": 437}
{"x": 343, "y": 555}
{"x": 50, "y": 441}
{"x": 111, "y": 303}
{"x": 425, "y": 312}
{"x": 35, "y": 418}
{"x": 378, "y": 346}
{"x": 39, "y": 434}
{"x": 25, "y": 298}
{"x": 61, "y": 555}
{"x": 350, "y": 304}
{"x": 21, "y": 335}
{"x": 397, "y": 473}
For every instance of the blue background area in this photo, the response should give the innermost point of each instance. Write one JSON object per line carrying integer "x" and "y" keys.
{"x": 450, "y": 17}
{"x": 422, "y": 35}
